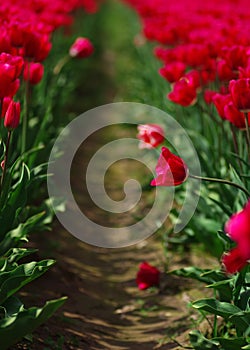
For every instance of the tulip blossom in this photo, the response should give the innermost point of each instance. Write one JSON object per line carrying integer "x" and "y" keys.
{"x": 240, "y": 92}
{"x": 238, "y": 229}
{"x": 5, "y": 104}
{"x": 235, "y": 117}
{"x": 208, "y": 96}
{"x": 173, "y": 71}
{"x": 12, "y": 116}
{"x": 220, "y": 101}
{"x": 150, "y": 135}
{"x": 171, "y": 170}
{"x": 10, "y": 69}
{"x": 33, "y": 72}
{"x": 81, "y": 48}
{"x": 184, "y": 93}
{"x": 147, "y": 276}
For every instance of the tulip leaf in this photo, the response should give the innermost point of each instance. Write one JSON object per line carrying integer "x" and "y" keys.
{"x": 15, "y": 202}
{"x": 199, "y": 342}
{"x": 20, "y": 233}
{"x": 231, "y": 344}
{"x": 16, "y": 326}
{"x": 216, "y": 307}
{"x": 13, "y": 280}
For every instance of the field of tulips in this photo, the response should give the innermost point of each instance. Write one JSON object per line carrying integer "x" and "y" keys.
{"x": 169, "y": 83}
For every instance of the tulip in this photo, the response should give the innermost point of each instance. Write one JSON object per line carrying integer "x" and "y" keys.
{"x": 240, "y": 92}
{"x": 184, "y": 93}
{"x": 235, "y": 117}
{"x": 81, "y": 48}
{"x": 171, "y": 170}
{"x": 238, "y": 229}
{"x": 150, "y": 135}
{"x": 33, "y": 72}
{"x": 12, "y": 116}
{"x": 147, "y": 276}
{"x": 220, "y": 101}
{"x": 173, "y": 71}
{"x": 5, "y": 104}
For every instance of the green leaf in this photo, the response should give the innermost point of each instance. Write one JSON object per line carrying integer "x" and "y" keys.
{"x": 231, "y": 344}
{"x": 14, "y": 328}
{"x": 12, "y": 306}
{"x": 13, "y": 256}
{"x": 224, "y": 288}
{"x": 15, "y": 203}
{"x": 216, "y": 307}
{"x": 202, "y": 275}
{"x": 199, "y": 342}
{"x": 241, "y": 320}
{"x": 13, "y": 237}
{"x": 13, "y": 280}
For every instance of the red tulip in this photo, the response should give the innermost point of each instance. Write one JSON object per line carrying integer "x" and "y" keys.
{"x": 12, "y": 116}
{"x": 240, "y": 92}
{"x": 184, "y": 93}
{"x": 147, "y": 276}
{"x": 171, "y": 170}
{"x": 173, "y": 71}
{"x": 220, "y": 101}
{"x": 208, "y": 96}
{"x": 151, "y": 135}
{"x": 238, "y": 229}
{"x": 33, "y": 72}
{"x": 5, "y": 104}
{"x": 235, "y": 117}
{"x": 81, "y": 48}
{"x": 10, "y": 69}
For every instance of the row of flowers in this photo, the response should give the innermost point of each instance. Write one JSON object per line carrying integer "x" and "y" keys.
{"x": 205, "y": 51}
{"x": 28, "y": 125}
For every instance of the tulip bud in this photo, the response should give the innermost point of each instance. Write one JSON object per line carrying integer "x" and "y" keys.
{"x": 81, "y": 48}
{"x": 33, "y": 72}
{"x": 150, "y": 135}
{"x": 5, "y": 105}
{"x": 12, "y": 116}
{"x": 171, "y": 170}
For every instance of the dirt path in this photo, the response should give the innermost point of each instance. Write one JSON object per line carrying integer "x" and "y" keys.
{"x": 105, "y": 310}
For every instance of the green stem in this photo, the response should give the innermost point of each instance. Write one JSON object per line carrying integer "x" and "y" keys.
{"x": 236, "y": 146}
{"x": 25, "y": 114}
{"x": 225, "y": 182}
{"x": 61, "y": 63}
{"x": 5, "y": 159}
{"x": 247, "y": 134}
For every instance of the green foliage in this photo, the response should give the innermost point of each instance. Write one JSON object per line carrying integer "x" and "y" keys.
{"x": 19, "y": 321}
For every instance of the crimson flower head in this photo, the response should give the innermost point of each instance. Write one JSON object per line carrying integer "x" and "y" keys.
{"x": 10, "y": 69}
{"x": 12, "y": 116}
{"x": 184, "y": 92}
{"x": 173, "y": 71}
{"x": 235, "y": 117}
{"x": 171, "y": 170}
{"x": 33, "y": 72}
{"x": 220, "y": 101}
{"x": 81, "y": 48}
{"x": 240, "y": 92}
{"x": 5, "y": 104}
{"x": 147, "y": 276}
{"x": 151, "y": 135}
{"x": 238, "y": 229}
